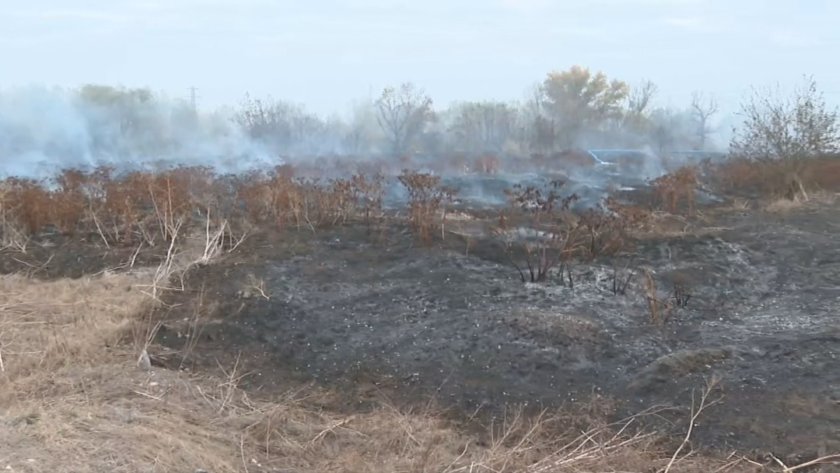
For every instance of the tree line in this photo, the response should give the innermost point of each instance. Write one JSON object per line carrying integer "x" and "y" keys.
{"x": 573, "y": 108}
{"x": 568, "y": 109}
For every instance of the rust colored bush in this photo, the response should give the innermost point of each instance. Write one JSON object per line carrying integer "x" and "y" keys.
{"x": 601, "y": 234}
{"x": 427, "y": 198}
{"x": 487, "y": 165}
{"x": 370, "y": 191}
{"x": 787, "y": 178}
{"x": 675, "y": 188}
{"x": 28, "y": 204}
{"x": 70, "y": 201}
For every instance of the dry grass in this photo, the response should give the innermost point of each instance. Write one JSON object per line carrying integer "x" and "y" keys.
{"x": 791, "y": 179}
{"x": 785, "y": 205}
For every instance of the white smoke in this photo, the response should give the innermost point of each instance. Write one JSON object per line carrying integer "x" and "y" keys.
{"x": 45, "y": 130}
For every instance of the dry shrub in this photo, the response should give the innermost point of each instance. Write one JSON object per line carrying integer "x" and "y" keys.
{"x": 254, "y": 193}
{"x": 659, "y": 310}
{"x": 169, "y": 196}
{"x": 553, "y": 238}
{"x": 122, "y": 209}
{"x": 675, "y": 188}
{"x": 427, "y": 198}
{"x": 556, "y": 236}
{"x": 307, "y": 202}
{"x": 151, "y": 206}
{"x": 635, "y": 217}
{"x": 487, "y": 165}
{"x": 790, "y": 179}
{"x": 278, "y": 198}
{"x": 27, "y": 203}
{"x": 602, "y": 233}
{"x": 69, "y": 201}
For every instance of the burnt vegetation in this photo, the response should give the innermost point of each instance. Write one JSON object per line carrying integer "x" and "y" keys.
{"x": 545, "y": 238}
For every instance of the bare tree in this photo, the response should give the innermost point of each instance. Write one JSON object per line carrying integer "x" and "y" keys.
{"x": 640, "y": 97}
{"x": 537, "y": 132}
{"x": 286, "y": 127}
{"x": 402, "y": 113}
{"x": 777, "y": 127}
{"x": 362, "y": 132}
{"x": 483, "y": 126}
{"x": 671, "y": 129}
{"x": 703, "y": 108}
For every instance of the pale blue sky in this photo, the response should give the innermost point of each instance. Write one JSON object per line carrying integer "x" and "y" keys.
{"x": 326, "y": 54}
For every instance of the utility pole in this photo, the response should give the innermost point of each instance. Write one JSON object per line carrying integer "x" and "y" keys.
{"x": 193, "y": 98}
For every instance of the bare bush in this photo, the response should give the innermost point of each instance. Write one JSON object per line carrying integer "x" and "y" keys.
{"x": 549, "y": 239}
{"x": 659, "y": 309}
{"x": 777, "y": 127}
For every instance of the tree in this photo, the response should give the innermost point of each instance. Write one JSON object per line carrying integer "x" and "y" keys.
{"x": 284, "y": 126}
{"x": 483, "y": 126}
{"x": 362, "y": 131}
{"x": 639, "y": 98}
{"x": 124, "y": 121}
{"x": 402, "y": 113}
{"x": 776, "y": 127}
{"x": 702, "y": 109}
{"x": 578, "y": 100}
{"x": 671, "y": 129}
{"x": 637, "y": 120}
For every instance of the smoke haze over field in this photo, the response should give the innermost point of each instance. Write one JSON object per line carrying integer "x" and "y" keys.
{"x": 44, "y": 130}
{"x": 473, "y": 59}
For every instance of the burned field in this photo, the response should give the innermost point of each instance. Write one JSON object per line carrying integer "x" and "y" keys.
{"x": 376, "y": 313}
{"x": 638, "y": 304}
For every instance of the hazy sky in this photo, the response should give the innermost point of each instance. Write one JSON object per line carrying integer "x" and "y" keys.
{"x": 328, "y": 53}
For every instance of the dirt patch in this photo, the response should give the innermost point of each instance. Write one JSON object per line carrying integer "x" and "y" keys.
{"x": 358, "y": 312}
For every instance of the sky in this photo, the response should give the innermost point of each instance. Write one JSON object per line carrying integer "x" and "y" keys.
{"x": 329, "y": 54}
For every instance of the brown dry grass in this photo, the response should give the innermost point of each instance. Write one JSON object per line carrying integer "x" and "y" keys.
{"x": 815, "y": 199}
{"x": 788, "y": 179}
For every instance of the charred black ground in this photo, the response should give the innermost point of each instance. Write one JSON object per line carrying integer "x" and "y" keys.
{"x": 372, "y": 311}
{"x": 53, "y": 255}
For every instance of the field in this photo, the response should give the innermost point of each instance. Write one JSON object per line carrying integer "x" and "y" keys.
{"x": 183, "y": 321}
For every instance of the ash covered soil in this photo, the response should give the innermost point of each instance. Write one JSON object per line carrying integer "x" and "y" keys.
{"x": 372, "y": 312}
{"x": 52, "y": 255}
